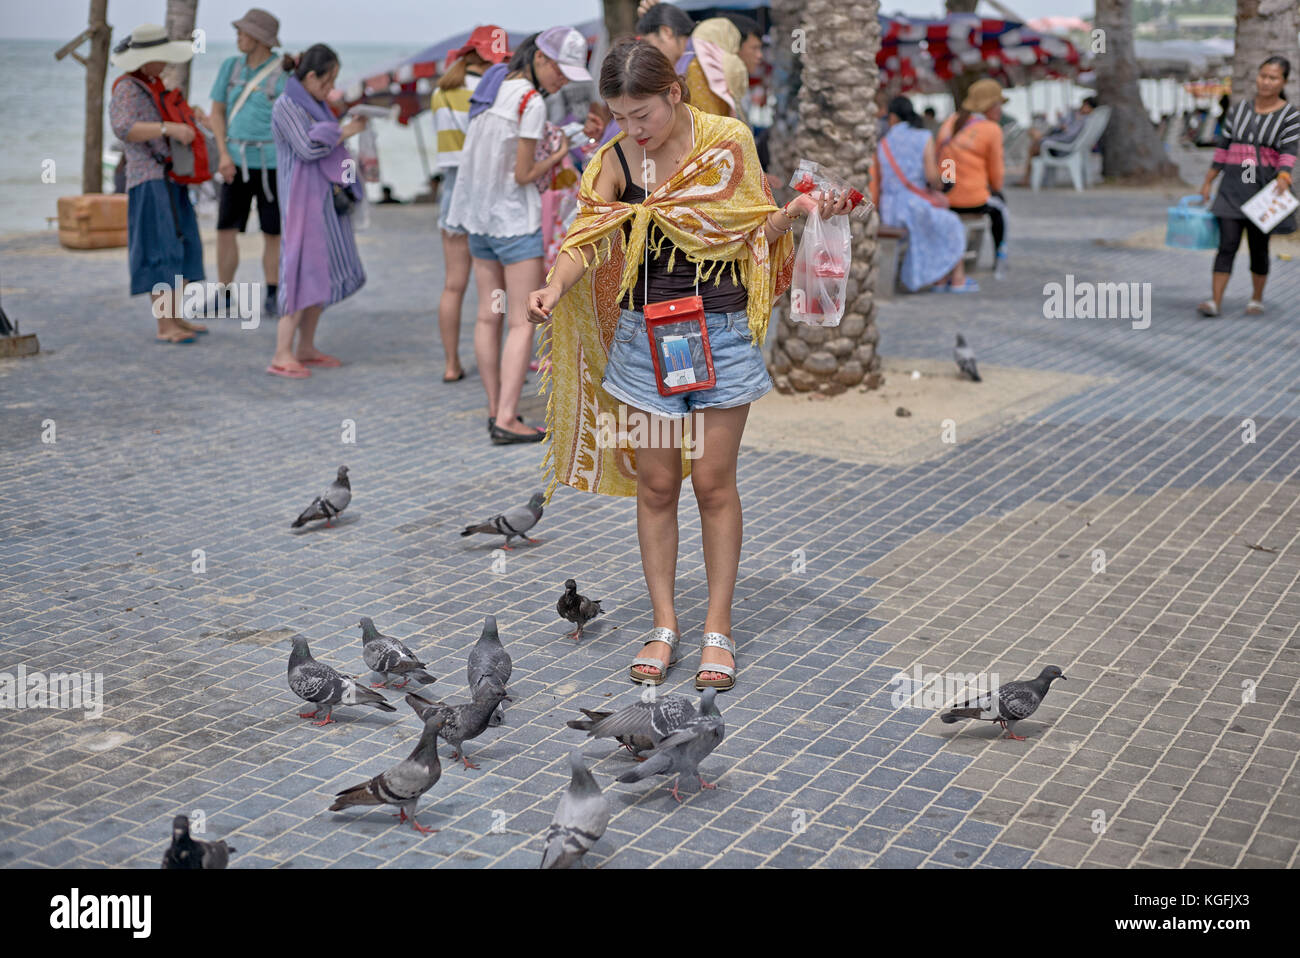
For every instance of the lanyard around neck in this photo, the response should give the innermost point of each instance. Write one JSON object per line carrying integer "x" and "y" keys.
{"x": 645, "y": 260}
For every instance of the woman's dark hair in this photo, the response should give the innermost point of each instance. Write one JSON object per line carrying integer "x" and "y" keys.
{"x": 666, "y": 15}
{"x": 747, "y": 26}
{"x": 637, "y": 68}
{"x": 902, "y": 108}
{"x": 521, "y": 61}
{"x": 1092, "y": 101}
{"x": 317, "y": 58}
{"x": 1284, "y": 65}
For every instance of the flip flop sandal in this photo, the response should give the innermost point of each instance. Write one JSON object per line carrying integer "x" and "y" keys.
{"x": 1207, "y": 308}
{"x": 173, "y": 342}
{"x": 720, "y": 641}
{"x": 324, "y": 362}
{"x": 454, "y": 379}
{"x": 288, "y": 373}
{"x": 970, "y": 286}
{"x": 1254, "y": 308}
{"x": 669, "y": 638}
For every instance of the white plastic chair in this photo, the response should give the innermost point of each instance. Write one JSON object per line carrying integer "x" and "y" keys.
{"x": 1075, "y": 159}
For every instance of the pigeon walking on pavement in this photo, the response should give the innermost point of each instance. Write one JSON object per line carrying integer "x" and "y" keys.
{"x": 389, "y": 657}
{"x": 512, "y": 522}
{"x": 576, "y": 608}
{"x": 580, "y": 819}
{"x": 965, "y": 357}
{"x": 317, "y": 683}
{"x": 489, "y": 663}
{"x": 460, "y": 723}
{"x": 683, "y": 750}
{"x": 187, "y": 852}
{"x": 404, "y": 783}
{"x": 640, "y": 726}
{"x": 329, "y": 503}
{"x": 1007, "y": 704}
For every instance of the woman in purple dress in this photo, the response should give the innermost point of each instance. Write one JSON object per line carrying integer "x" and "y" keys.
{"x": 317, "y": 184}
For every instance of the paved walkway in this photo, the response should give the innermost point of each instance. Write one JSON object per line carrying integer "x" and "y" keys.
{"x": 1174, "y": 741}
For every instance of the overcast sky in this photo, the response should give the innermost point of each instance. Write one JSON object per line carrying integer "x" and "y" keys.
{"x": 386, "y": 21}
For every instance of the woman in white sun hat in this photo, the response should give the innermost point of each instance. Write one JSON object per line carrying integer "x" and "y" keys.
{"x": 498, "y": 203}
{"x": 162, "y": 233}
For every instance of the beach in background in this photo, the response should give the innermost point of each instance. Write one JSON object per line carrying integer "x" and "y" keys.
{"x": 44, "y": 119}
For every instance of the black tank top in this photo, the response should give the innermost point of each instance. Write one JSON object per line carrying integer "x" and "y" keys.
{"x": 728, "y": 296}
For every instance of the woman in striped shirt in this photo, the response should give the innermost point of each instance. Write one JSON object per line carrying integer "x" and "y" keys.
{"x": 1256, "y": 145}
{"x": 487, "y": 45}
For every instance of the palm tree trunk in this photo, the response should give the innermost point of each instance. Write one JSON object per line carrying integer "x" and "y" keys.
{"x": 620, "y": 19}
{"x": 826, "y": 83}
{"x": 1265, "y": 28}
{"x": 92, "y": 160}
{"x": 1131, "y": 147}
{"x": 181, "y": 15}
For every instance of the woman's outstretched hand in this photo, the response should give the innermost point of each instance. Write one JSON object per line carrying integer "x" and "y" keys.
{"x": 541, "y": 302}
{"x": 827, "y": 205}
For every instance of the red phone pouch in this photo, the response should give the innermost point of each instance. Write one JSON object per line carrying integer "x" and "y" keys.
{"x": 679, "y": 345}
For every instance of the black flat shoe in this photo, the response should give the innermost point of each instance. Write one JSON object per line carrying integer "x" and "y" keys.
{"x": 503, "y": 437}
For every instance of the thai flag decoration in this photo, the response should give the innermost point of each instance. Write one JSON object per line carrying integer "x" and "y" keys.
{"x": 917, "y": 53}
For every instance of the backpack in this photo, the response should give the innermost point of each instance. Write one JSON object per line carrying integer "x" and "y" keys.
{"x": 266, "y": 78}
{"x": 192, "y": 163}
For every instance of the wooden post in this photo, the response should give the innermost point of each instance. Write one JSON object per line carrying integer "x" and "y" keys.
{"x": 92, "y": 161}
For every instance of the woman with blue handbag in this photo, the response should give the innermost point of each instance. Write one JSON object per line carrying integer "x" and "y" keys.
{"x": 1256, "y": 149}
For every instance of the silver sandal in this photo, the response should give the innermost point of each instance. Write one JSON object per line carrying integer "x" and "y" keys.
{"x": 722, "y": 642}
{"x": 669, "y": 638}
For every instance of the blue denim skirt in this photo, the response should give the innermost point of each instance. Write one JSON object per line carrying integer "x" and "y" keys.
{"x": 154, "y": 211}
{"x": 737, "y": 362}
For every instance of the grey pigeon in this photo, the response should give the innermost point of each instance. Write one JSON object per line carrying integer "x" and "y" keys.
{"x": 187, "y": 852}
{"x": 512, "y": 522}
{"x": 388, "y": 656}
{"x": 640, "y": 726}
{"x": 683, "y": 750}
{"x": 489, "y": 663}
{"x": 965, "y": 357}
{"x": 329, "y": 503}
{"x": 576, "y": 608}
{"x": 460, "y": 723}
{"x": 580, "y": 819}
{"x": 404, "y": 783}
{"x": 319, "y": 684}
{"x": 1007, "y": 704}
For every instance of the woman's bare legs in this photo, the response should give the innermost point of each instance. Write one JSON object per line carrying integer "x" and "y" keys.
{"x": 310, "y": 317}
{"x": 455, "y": 256}
{"x": 489, "y": 279}
{"x": 165, "y": 307}
{"x": 658, "y": 486}
{"x": 713, "y": 477}
{"x": 521, "y": 279}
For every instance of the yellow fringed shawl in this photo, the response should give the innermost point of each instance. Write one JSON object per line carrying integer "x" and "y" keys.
{"x": 713, "y": 209}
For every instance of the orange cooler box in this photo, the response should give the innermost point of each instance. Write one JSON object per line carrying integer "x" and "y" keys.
{"x": 92, "y": 221}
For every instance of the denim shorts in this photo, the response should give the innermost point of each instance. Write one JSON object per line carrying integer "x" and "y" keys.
{"x": 444, "y": 200}
{"x": 737, "y": 363}
{"x": 506, "y": 249}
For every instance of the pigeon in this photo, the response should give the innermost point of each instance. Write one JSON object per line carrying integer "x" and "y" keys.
{"x": 965, "y": 357}
{"x": 640, "y": 726}
{"x": 1015, "y": 701}
{"x": 387, "y": 655}
{"x": 577, "y": 609}
{"x": 683, "y": 750}
{"x": 329, "y": 503}
{"x": 404, "y": 783}
{"x": 489, "y": 662}
{"x": 316, "y": 682}
{"x": 580, "y": 819}
{"x": 460, "y": 723}
{"x": 187, "y": 852}
{"x": 512, "y": 522}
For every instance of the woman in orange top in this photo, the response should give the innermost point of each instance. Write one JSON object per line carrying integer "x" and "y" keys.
{"x": 970, "y": 158}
